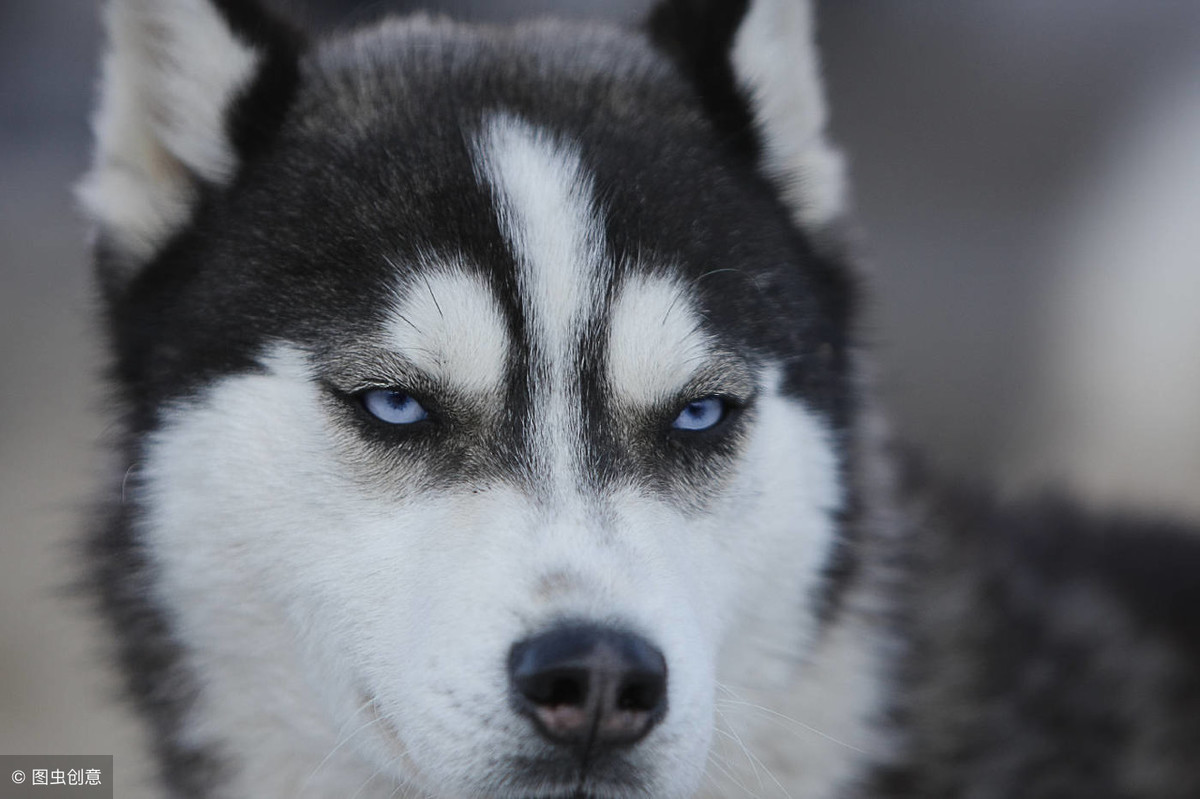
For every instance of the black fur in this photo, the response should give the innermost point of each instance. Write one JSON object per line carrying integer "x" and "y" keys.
{"x": 1052, "y": 653}
{"x": 699, "y": 35}
{"x": 157, "y": 678}
{"x": 257, "y": 113}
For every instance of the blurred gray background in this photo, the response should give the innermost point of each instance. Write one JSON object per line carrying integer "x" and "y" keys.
{"x": 978, "y": 135}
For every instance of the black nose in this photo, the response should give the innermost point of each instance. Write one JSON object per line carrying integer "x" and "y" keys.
{"x": 589, "y": 686}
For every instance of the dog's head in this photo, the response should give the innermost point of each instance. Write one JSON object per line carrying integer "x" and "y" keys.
{"x": 488, "y": 388}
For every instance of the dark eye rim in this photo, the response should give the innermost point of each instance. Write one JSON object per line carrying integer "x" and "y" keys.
{"x": 733, "y": 408}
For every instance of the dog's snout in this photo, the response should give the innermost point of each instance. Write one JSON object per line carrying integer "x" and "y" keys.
{"x": 590, "y": 686}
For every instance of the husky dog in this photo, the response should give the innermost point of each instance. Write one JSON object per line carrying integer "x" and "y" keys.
{"x": 494, "y": 426}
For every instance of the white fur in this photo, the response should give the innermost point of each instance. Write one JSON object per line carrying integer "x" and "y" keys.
{"x": 548, "y": 218}
{"x": 448, "y": 324}
{"x": 656, "y": 343}
{"x": 171, "y": 71}
{"x": 810, "y": 738}
{"x": 228, "y": 518}
{"x": 775, "y": 60}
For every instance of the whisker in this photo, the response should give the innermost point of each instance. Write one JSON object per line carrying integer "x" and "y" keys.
{"x": 715, "y": 760}
{"x": 371, "y": 778}
{"x": 432, "y": 296}
{"x": 133, "y": 468}
{"x": 754, "y": 759}
{"x": 775, "y": 714}
{"x": 729, "y": 732}
{"x": 342, "y": 740}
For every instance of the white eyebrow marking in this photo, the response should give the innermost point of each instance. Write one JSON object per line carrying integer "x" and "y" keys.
{"x": 656, "y": 343}
{"x": 447, "y": 323}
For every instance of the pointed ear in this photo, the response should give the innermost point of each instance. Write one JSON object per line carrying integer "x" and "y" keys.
{"x": 190, "y": 89}
{"x": 755, "y": 66}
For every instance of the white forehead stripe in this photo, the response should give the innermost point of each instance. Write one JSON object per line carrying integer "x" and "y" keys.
{"x": 656, "y": 343}
{"x": 544, "y": 199}
{"x": 448, "y": 324}
{"x": 545, "y": 209}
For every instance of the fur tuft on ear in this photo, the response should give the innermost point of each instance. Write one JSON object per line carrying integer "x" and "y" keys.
{"x": 173, "y": 77}
{"x": 754, "y": 64}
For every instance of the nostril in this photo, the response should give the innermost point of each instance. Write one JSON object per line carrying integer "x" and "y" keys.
{"x": 641, "y": 692}
{"x": 554, "y": 688}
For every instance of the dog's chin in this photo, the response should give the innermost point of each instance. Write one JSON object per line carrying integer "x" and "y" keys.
{"x": 609, "y": 776}
{"x": 550, "y": 774}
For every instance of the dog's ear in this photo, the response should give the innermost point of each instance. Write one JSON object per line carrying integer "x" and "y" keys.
{"x": 755, "y": 67}
{"x": 190, "y": 90}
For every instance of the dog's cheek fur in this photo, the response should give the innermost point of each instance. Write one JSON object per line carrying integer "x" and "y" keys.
{"x": 233, "y": 498}
{"x": 781, "y": 511}
{"x": 799, "y": 696}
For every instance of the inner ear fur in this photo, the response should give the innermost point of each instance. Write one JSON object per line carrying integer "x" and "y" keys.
{"x": 190, "y": 90}
{"x": 755, "y": 68}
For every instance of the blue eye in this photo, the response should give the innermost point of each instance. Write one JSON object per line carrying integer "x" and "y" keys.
{"x": 701, "y": 414}
{"x": 393, "y": 406}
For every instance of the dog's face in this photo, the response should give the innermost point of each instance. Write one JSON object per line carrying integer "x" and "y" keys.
{"x": 486, "y": 390}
